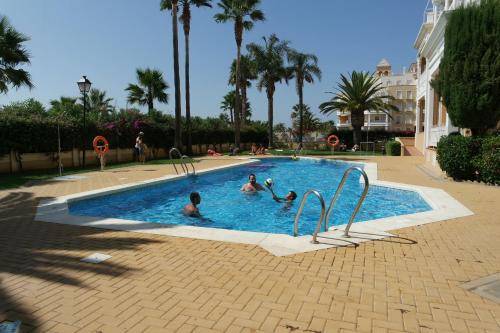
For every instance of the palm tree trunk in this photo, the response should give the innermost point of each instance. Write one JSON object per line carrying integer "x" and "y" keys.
{"x": 231, "y": 114}
{"x": 301, "y": 115}
{"x": 237, "y": 100}
{"x": 150, "y": 101}
{"x": 243, "y": 105}
{"x": 177, "y": 81}
{"x": 188, "y": 96}
{"x": 270, "y": 114}
{"x": 357, "y": 121}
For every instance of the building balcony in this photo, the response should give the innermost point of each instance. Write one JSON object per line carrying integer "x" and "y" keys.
{"x": 343, "y": 113}
{"x": 343, "y": 125}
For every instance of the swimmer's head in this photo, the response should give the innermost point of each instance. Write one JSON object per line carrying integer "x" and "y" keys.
{"x": 195, "y": 198}
{"x": 291, "y": 196}
{"x": 252, "y": 179}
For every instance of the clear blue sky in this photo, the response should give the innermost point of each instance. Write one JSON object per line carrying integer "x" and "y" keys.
{"x": 108, "y": 39}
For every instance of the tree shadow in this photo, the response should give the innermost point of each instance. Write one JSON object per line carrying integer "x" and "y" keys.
{"x": 48, "y": 252}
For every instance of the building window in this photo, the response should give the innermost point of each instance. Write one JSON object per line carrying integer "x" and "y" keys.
{"x": 409, "y": 94}
{"x": 377, "y": 118}
{"x": 423, "y": 63}
{"x": 399, "y": 94}
{"x": 398, "y": 120}
{"x": 408, "y": 82}
{"x": 389, "y": 82}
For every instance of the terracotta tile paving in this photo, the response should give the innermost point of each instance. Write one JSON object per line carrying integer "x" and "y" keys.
{"x": 409, "y": 283}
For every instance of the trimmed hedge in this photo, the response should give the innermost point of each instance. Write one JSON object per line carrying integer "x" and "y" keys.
{"x": 470, "y": 158}
{"x": 393, "y": 148}
{"x": 39, "y": 135}
{"x": 374, "y": 135}
{"x": 488, "y": 163}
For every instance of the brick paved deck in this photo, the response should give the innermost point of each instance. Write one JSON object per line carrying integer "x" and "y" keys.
{"x": 165, "y": 284}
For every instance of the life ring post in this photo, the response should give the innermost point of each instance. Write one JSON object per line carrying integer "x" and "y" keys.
{"x": 101, "y": 148}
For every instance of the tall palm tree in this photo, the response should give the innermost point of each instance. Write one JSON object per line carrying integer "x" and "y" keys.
{"x": 151, "y": 86}
{"x": 227, "y": 105}
{"x": 177, "y": 80}
{"x": 244, "y": 13}
{"x": 305, "y": 68}
{"x": 12, "y": 55}
{"x": 248, "y": 72}
{"x": 186, "y": 23}
{"x": 356, "y": 94}
{"x": 270, "y": 62}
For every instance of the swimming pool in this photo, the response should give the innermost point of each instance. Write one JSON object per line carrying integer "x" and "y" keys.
{"x": 224, "y": 206}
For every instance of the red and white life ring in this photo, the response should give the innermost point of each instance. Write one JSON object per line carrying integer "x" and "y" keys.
{"x": 333, "y": 140}
{"x": 101, "y": 145}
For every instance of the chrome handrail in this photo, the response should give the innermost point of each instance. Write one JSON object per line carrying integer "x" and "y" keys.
{"x": 337, "y": 194}
{"x": 299, "y": 212}
{"x": 184, "y": 167}
{"x": 192, "y": 165}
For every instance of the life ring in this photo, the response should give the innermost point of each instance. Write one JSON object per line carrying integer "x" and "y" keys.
{"x": 333, "y": 140}
{"x": 99, "y": 148}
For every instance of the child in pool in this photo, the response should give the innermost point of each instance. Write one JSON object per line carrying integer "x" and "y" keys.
{"x": 191, "y": 209}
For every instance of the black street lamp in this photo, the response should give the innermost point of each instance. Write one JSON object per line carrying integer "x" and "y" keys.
{"x": 84, "y": 86}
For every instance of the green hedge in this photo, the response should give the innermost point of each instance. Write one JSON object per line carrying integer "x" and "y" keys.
{"x": 488, "y": 162}
{"x": 393, "y": 148}
{"x": 38, "y": 134}
{"x": 470, "y": 158}
{"x": 345, "y": 135}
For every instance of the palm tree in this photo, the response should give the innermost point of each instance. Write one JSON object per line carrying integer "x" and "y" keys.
{"x": 99, "y": 104}
{"x": 177, "y": 81}
{"x": 305, "y": 68}
{"x": 270, "y": 62}
{"x": 151, "y": 86}
{"x": 227, "y": 105}
{"x": 186, "y": 23}
{"x": 303, "y": 119}
{"x": 65, "y": 107}
{"x": 238, "y": 11}
{"x": 12, "y": 55}
{"x": 357, "y": 94}
{"x": 248, "y": 72}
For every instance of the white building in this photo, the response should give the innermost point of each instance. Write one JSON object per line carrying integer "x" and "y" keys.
{"x": 402, "y": 86}
{"x": 432, "y": 119}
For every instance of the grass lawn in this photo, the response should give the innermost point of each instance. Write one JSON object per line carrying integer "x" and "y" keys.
{"x": 8, "y": 181}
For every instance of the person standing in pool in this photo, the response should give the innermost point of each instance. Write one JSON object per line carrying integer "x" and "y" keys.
{"x": 191, "y": 209}
{"x": 252, "y": 185}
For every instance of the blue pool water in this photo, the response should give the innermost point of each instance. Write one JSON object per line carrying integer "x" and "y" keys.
{"x": 224, "y": 206}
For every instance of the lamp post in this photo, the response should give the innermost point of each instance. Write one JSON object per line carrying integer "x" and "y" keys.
{"x": 84, "y": 86}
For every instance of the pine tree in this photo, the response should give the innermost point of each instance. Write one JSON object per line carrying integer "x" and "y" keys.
{"x": 469, "y": 73}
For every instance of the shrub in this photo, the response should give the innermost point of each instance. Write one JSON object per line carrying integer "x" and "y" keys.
{"x": 488, "y": 162}
{"x": 456, "y": 155}
{"x": 393, "y": 148}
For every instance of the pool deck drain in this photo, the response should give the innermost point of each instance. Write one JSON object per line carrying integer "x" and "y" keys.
{"x": 444, "y": 207}
{"x": 487, "y": 287}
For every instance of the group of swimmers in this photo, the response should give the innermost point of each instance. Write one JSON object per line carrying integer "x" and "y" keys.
{"x": 252, "y": 186}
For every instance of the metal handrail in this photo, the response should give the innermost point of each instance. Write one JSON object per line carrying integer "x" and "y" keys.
{"x": 337, "y": 194}
{"x": 192, "y": 165}
{"x": 183, "y": 166}
{"x": 299, "y": 212}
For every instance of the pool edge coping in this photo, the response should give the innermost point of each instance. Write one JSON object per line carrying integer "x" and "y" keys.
{"x": 444, "y": 207}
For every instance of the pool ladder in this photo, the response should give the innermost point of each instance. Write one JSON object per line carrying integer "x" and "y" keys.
{"x": 332, "y": 204}
{"x": 184, "y": 166}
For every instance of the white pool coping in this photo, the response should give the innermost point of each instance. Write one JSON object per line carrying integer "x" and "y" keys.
{"x": 444, "y": 207}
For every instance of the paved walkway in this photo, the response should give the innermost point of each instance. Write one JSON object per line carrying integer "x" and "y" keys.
{"x": 165, "y": 284}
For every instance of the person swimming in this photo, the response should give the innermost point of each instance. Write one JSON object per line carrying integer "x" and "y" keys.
{"x": 290, "y": 197}
{"x": 252, "y": 185}
{"x": 191, "y": 209}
